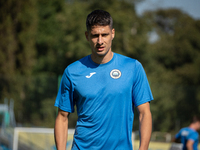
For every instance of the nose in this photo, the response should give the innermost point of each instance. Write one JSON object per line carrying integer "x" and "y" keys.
{"x": 100, "y": 40}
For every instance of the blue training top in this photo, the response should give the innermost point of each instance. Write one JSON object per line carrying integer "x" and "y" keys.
{"x": 186, "y": 134}
{"x": 105, "y": 96}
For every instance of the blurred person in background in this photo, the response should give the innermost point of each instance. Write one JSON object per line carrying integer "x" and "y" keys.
{"x": 189, "y": 136}
{"x": 105, "y": 87}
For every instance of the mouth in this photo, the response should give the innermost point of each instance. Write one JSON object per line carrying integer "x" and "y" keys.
{"x": 100, "y": 48}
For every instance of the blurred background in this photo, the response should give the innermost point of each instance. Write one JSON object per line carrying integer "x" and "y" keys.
{"x": 39, "y": 38}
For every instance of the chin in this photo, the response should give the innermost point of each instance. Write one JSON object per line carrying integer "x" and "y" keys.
{"x": 101, "y": 54}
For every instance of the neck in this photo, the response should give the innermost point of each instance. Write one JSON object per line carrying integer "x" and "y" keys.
{"x": 102, "y": 59}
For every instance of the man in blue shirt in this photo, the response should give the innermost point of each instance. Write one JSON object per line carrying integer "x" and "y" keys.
{"x": 188, "y": 136}
{"x": 105, "y": 87}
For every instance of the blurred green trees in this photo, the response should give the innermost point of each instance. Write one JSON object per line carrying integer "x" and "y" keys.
{"x": 174, "y": 67}
{"x": 39, "y": 38}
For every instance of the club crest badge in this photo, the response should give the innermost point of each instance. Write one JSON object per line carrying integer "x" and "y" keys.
{"x": 115, "y": 74}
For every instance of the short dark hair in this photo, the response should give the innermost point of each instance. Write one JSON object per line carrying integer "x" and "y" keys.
{"x": 99, "y": 17}
{"x": 196, "y": 119}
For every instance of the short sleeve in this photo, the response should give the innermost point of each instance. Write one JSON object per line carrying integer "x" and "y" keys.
{"x": 141, "y": 90}
{"x": 64, "y": 99}
{"x": 193, "y": 136}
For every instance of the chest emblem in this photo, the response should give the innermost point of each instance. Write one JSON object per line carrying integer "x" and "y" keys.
{"x": 91, "y": 74}
{"x": 115, "y": 74}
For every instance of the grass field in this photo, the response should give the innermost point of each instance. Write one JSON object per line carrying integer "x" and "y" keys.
{"x": 154, "y": 145}
{"x": 45, "y": 141}
{"x": 41, "y": 141}
{"x": 38, "y": 138}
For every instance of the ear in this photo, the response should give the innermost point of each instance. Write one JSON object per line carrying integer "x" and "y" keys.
{"x": 86, "y": 35}
{"x": 113, "y": 33}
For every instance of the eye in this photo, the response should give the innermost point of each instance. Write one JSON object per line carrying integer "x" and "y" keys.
{"x": 104, "y": 35}
{"x": 95, "y": 35}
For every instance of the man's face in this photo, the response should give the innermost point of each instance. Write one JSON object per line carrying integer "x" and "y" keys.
{"x": 100, "y": 39}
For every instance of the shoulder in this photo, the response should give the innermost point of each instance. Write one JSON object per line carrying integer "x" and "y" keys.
{"x": 193, "y": 135}
{"x": 188, "y": 132}
{"x": 123, "y": 57}
{"x": 77, "y": 65}
{"x": 185, "y": 129}
{"x": 127, "y": 60}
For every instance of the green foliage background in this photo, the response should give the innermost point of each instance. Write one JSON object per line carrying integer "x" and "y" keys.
{"x": 39, "y": 38}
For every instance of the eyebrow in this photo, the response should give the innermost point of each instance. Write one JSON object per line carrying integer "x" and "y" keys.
{"x": 97, "y": 34}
